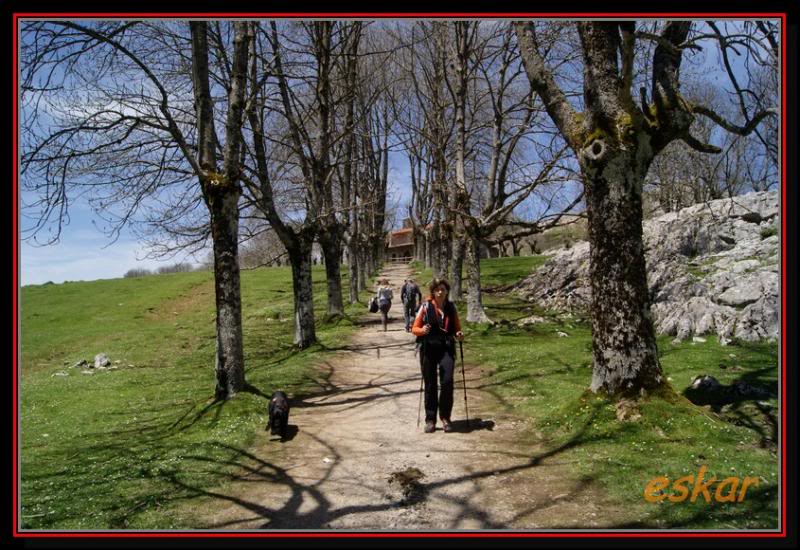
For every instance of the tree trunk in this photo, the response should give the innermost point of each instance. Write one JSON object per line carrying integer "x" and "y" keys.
{"x": 362, "y": 270}
{"x": 300, "y": 258}
{"x": 421, "y": 248}
{"x": 435, "y": 245}
{"x": 456, "y": 267}
{"x": 227, "y": 289}
{"x": 623, "y": 338}
{"x": 475, "y": 311}
{"x": 445, "y": 251}
{"x": 352, "y": 266}
{"x": 331, "y": 243}
{"x": 221, "y": 194}
{"x": 429, "y": 255}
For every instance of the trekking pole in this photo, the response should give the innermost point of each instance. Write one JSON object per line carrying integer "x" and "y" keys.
{"x": 464, "y": 381}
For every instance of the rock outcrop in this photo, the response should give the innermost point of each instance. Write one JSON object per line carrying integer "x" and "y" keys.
{"x": 713, "y": 268}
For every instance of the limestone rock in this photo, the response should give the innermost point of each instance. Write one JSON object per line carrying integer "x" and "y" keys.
{"x": 712, "y": 268}
{"x": 532, "y": 320}
{"x": 101, "y": 361}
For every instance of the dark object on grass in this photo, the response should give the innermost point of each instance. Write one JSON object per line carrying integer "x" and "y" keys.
{"x": 278, "y": 414}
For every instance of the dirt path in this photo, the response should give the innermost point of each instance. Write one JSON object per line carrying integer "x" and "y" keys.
{"x": 356, "y": 459}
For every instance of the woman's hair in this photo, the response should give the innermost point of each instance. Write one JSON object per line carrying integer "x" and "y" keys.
{"x": 435, "y": 283}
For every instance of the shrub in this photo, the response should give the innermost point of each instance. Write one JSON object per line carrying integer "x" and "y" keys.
{"x": 180, "y": 267}
{"x": 137, "y": 272}
{"x": 767, "y": 232}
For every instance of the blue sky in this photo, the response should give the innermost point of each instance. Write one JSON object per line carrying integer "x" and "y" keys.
{"x": 81, "y": 256}
{"x": 85, "y": 253}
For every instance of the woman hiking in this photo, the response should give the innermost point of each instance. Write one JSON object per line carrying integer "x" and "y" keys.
{"x": 437, "y": 327}
{"x": 384, "y": 296}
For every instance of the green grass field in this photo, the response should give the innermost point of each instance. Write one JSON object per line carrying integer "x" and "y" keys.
{"x": 116, "y": 448}
{"x": 110, "y": 449}
{"x": 545, "y": 377}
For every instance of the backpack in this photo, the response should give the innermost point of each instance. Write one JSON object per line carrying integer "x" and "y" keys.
{"x": 409, "y": 293}
{"x": 373, "y": 305}
{"x": 437, "y": 337}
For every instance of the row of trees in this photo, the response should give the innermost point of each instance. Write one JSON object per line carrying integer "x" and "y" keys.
{"x": 179, "y": 267}
{"x": 185, "y": 129}
{"x": 486, "y": 145}
{"x": 227, "y": 131}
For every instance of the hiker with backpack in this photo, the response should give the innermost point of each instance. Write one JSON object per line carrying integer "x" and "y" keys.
{"x": 408, "y": 295}
{"x": 437, "y": 328}
{"x": 384, "y": 296}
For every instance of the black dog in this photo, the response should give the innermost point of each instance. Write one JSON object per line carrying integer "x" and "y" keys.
{"x": 278, "y": 414}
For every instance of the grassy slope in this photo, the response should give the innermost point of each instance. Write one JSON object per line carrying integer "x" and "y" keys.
{"x": 113, "y": 449}
{"x": 106, "y": 450}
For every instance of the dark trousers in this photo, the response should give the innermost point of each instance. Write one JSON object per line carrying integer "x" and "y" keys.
{"x": 442, "y": 362}
{"x": 410, "y": 312}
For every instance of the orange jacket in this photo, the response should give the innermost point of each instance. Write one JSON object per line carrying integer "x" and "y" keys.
{"x": 419, "y": 322}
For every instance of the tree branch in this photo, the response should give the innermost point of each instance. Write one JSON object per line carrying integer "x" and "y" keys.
{"x": 544, "y": 84}
{"x": 741, "y": 130}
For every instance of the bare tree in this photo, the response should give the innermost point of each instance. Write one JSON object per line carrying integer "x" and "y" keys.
{"x": 302, "y": 118}
{"x": 681, "y": 176}
{"x": 513, "y": 154}
{"x": 91, "y": 128}
{"x": 430, "y": 115}
{"x": 615, "y": 140}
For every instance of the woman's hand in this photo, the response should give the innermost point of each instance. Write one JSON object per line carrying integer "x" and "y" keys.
{"x": 426, "y": 329}
{"x": 460, "y": 336}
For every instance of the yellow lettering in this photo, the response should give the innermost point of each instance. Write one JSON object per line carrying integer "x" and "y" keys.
{"x": 701, "y": 487}
{"x": 745, "y": 484}
{"x": 655, "y": 485}
{"x": 731, "y": 496}
{"x": 679, "y": 486}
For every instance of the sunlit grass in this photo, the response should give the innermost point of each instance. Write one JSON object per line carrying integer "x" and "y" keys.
{"x": 106, "y": 450}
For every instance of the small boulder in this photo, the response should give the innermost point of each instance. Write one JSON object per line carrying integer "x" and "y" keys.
{"x": 532, "y": 320}
{"x": 101, "y": 361}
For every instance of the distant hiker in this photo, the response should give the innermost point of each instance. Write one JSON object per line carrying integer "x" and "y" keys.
{"x": 384, "y": 296}
{"x": 437, "y": 327}
{"x": 408, "y": 295}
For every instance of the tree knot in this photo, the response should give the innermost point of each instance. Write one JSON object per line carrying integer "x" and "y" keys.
{"x": 595, "y": 150}
{"x": 215, "y": 180}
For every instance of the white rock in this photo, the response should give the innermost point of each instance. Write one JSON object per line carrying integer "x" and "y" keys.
{"x": 101, "y": 360}
{"x": 709, "y": 271}
{"x": 532, "y": 320}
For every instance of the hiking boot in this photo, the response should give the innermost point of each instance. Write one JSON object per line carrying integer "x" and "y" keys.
{"x": 430, "y": 427}
{"x": 448, "y": 427}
